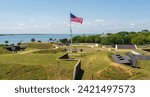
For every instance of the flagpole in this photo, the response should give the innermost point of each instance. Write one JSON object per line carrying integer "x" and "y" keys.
{"x": 70, "y": 29}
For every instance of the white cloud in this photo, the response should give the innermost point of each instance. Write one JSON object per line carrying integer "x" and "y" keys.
{"x": 35, "y": 26}
{"x": 32, "y": 21}
{"x": 3, "y": 24}
{"x": 89, "y": 26}
{"x": 132, "y": 24}
{"x": 99, "y": 20}
{"x": 49, "y": 24}
{"x": 21, "y": 24}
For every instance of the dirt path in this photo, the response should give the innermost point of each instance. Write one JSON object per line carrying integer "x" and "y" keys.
{"x": 26, "y": 52}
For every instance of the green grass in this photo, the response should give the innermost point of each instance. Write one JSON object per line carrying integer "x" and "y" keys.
{"x": 29, "y": 59}
{"x": 4, "y": 51}
{"x": 1, "y": 45}
{"x": 39, "y": 45}
{"x": 144, "y": 72}
{"x": 22, "y": 72}
{"x": 122, "y": 52}
{"x": 35, "y": 66}
{"x": 143, "y": 46}
{"x": 115, "y": 73}
{"x": 93, "y": 62}
{"x": 143, "y": 52}
{"x": 43, "y": 64}
{"x": 100, "y": 66}
{"x": 64, "y": 71}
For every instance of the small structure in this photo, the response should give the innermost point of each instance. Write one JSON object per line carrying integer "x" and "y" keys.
{"x": 133, "y": 60}
{"x": 121, "y": 59}
{"x": 125, "y": 47}
{"x": 15, "y": 48}
{"x": 129, "y": 59}
{"x": 74, "y": 50}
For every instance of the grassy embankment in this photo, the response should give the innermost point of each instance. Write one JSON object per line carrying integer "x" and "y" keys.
{"x": 3, "y": 51}
{"x": 43, "y": 64}
{"x": 144, "y": 72}
{"x": 98, "y": 66}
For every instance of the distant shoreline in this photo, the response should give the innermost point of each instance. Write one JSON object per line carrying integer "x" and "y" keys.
{"x": 15, "y": 38}
{"x": 43, "y": 34}
{"x": 28, "y": 34}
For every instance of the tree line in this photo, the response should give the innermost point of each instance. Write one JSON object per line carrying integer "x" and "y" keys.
{"x": 123, "y": 37}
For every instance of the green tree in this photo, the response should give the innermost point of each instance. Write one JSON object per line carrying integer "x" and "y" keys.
{"x": 33, "y": 40}
{"x": 50, "y": 39}
{"x": 140, "y": 39}
{"x": 65, "y": 41}
{"x": 148, "y": 39}
{"x": 124, "y": 37}
{"x": 6, "y": 42}
{"x": 39, "y": 41}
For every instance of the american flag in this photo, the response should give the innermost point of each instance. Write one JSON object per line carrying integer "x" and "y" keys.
{"x": 76, "y": 19}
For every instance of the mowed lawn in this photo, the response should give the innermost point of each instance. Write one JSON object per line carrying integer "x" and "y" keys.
{"x": 35, "y": 66}
{"x": 30, "y": 59}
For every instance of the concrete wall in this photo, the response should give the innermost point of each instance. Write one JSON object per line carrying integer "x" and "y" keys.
{"x": 133, "y": 60}
{"x": 65, "y": 56}
{"x": 78, "y": 72}
{"x": 141, "y": 57}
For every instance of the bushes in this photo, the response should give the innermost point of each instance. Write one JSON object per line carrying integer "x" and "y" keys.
{"x": 139, "y": 38}
{"x": 87, "y": 39}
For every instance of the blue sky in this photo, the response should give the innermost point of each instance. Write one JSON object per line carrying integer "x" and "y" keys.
{"x": 52, "y": 16}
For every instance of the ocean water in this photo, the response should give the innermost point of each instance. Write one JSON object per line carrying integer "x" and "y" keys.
{"x": 27, "y": 37}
